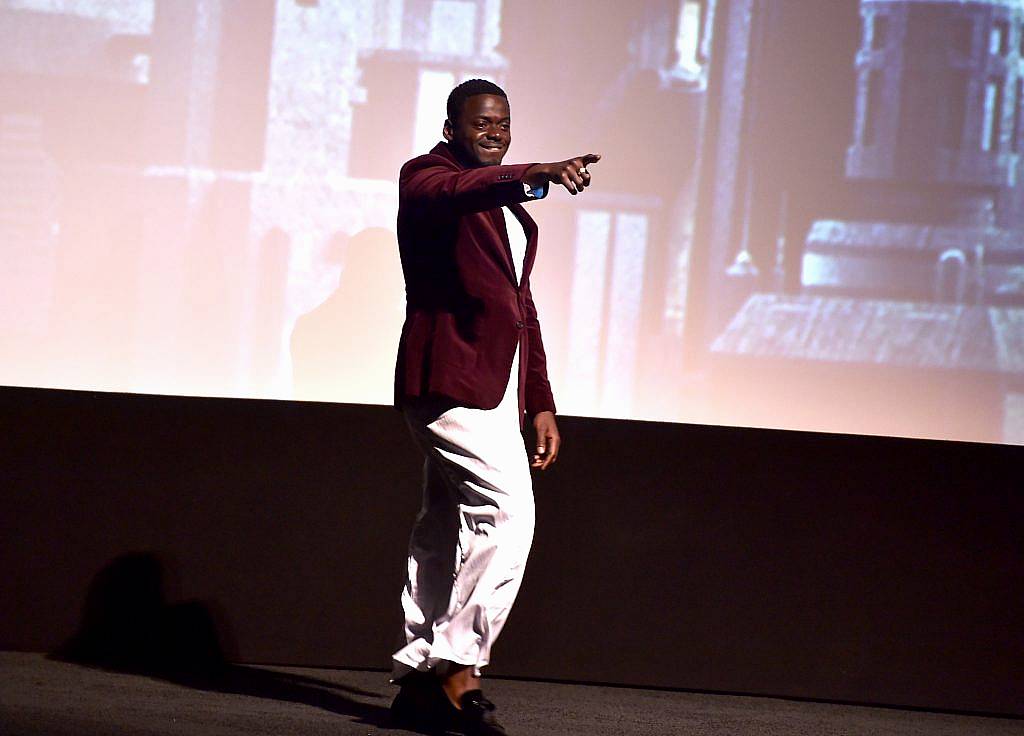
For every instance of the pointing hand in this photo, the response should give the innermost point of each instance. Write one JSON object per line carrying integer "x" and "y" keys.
{"x": 574, "y": 173}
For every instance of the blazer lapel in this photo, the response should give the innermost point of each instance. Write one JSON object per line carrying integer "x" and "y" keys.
{"x": 530, "y": 227}
{"x": 498, "y": 220}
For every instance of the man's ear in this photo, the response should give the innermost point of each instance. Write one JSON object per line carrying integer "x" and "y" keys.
{"x": 448, "y": 131}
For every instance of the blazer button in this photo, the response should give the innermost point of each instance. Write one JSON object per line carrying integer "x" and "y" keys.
{"x": 519, "y": 325}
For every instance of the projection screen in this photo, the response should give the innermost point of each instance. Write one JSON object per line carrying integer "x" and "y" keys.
{"x": 807, "y": 216}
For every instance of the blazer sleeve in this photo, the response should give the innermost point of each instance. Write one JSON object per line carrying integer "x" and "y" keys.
{"x": 538, "y": 389}
{"x": 431, "y": 182}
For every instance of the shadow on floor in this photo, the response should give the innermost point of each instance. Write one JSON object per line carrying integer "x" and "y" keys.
{"x": 128, "y": 626}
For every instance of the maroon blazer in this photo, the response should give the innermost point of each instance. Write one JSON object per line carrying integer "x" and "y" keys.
{"x": 465, "y": 312}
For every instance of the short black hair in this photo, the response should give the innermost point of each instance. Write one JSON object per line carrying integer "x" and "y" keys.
{"x": 470, "y": 88}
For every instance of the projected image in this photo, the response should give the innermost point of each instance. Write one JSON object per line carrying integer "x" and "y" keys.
{"x": 861, "y": 228}
{"x": 807, "y": 214}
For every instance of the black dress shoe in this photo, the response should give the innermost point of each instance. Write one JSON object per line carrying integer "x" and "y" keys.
{"x": 416, "y": 707}
{"x": 477, "y": 715}
{"x": 423, "y": 706}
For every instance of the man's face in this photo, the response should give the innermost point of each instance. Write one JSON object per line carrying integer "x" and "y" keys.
{"x": 483, "y": 131}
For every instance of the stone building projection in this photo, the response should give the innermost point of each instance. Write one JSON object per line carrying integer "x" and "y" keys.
{"x": 810, "y": 213}
{"x": 936, "y": 151}
{"x": 896, "y": 293}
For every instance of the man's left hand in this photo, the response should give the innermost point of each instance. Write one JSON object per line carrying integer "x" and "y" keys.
{"x": 548, "y": 440}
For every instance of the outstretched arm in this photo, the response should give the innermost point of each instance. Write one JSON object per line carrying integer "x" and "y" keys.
{"x": 433, "y": 182}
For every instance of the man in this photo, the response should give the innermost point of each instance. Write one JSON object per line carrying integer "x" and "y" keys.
{"x": 470, "y": 364}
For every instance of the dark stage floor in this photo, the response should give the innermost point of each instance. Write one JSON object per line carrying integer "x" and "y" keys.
{"x": 40, "y": 696}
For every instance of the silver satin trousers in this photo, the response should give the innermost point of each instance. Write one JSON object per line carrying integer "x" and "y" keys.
{"x": 469, "y": 545}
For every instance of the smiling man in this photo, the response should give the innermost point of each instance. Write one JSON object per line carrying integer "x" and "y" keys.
{"x": 470, "y": 369}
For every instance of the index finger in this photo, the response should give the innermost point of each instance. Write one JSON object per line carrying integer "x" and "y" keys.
{"x": 590, "y": 158}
